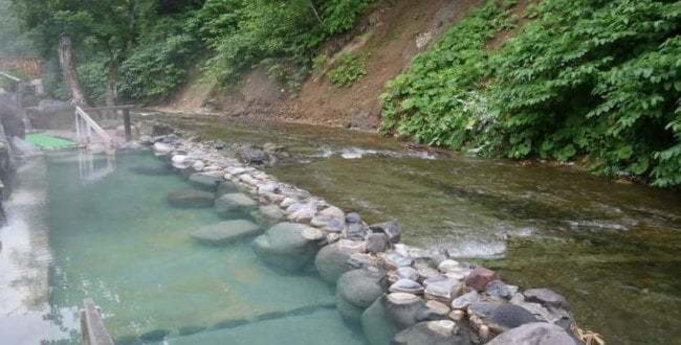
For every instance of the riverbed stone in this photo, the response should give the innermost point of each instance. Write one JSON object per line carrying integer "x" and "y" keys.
{"x": 205, "y": 182}
{"x": 226, "y": 232}
{"x": 190, "y": 198}
{"x": 547, "y": 298}
{"x": 232, "y": 204}
{"x": 498, "y": 289}
{"x": 443, "y": 332}
{"x": 506, "y": 316}
{"x": 356, "y": 231}
{"x": 353, "y": 218}
{"x": 479, "y": 277}
{"x": 406, "y": 285}
{"x": 463, "y": 301}
{"x": 377, "y": 242}
{"x": 290, "y": 246}
{"x": 356, "y": 290}
{"x": 433, "y": 311}
{"x": 442, "y": 288}
{"x": 394, "y": 260}
{"x": 536, "y": 333}
{"x": 162, "y": 149}
{"x": 253, "y": 155}
{"x": 407, "y": 273}
{"x": 391, "y": 229}
{"x": 332, "y": 260}
{"x": 302, "y": 212}
{"x": 328, "y": 221}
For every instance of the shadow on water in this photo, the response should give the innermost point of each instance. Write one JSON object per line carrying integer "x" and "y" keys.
{"x": 611, "y": 248}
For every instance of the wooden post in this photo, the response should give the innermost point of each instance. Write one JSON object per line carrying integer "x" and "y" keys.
{"x": 126, "y": 124}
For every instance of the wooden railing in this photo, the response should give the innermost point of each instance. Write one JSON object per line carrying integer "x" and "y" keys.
{"x": 92, "y": 327}
{"x": 85, "y": 126}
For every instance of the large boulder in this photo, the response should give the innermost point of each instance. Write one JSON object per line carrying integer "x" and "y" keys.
{"x": 332, "y": 260}
{"x": 203, "y": 181}
{"x": 356, "y": 290}
{"x": 390, "y": 314}
{"x": 190, "y": 198}
{"x": 226, "y": 232}
{"x": 445, "y": 332}
{"x": 290, "y": 246}
{"x": 234, "y": 204}
{"x": 537, "y": 333}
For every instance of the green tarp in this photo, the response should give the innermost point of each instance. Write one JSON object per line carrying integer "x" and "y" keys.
{"x": 48, "y": 142}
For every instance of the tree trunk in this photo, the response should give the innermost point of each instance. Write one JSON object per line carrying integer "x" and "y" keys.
{"x": 111, "y": 78}
{"x": 69, "y": 70}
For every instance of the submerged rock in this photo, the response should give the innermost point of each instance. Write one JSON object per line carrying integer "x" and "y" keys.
{"x": 445, "y": 332}
{"x": 232, "y": 204}
{"x": 332, "y": 260}
{"x": 537, "y": 333}
{"x": 204, "y": 181}
{"x": 290, "y": 246}
{"x": 151, "y": 170}
{"x": 226, "y": 232}
{"x": 188, "y": 198}
{"x": 268, "y": 215}
{"x": 226, "y": 187}
{"x": 390, "y": 314}
{"x": 356, "y": 290}
{"x": 546, "y": 297}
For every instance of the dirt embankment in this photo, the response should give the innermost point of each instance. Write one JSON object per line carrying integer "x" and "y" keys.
{"x": 387, "y": 39}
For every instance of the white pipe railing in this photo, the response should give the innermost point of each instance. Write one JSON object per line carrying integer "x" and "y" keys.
{"x": 85, "y": 125}
{"x": 10, "y": 77}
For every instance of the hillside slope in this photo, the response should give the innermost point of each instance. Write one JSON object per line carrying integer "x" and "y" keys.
{"x": 387, "y": 39}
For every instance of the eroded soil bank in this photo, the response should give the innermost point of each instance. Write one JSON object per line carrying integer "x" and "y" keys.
{"x": 610, "y": 248}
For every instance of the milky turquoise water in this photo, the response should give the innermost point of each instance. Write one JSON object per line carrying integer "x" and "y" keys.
{"x": 115, "y": 239}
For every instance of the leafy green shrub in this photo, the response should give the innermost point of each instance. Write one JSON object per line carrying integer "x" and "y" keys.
{"x": 244, "y": 33}
{"x": 348, "y": 69}
{"x": 159, "y": 65}
{"x": 428, "y": 101}
{"x": 319, "y": 62}
{"x": 594, "y": 79}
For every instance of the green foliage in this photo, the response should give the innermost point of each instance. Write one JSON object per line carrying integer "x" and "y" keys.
{"x": 429, "y": 101}
{"x": 348, "y": 69}
{"x": 12, "y": 41}
{"x": 159, "y": 65}
{"x": 244, "y": 33}
{"x": 594, "y": 79}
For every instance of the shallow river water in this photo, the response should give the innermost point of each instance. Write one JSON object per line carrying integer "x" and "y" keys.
{"x": 612, "y": 249}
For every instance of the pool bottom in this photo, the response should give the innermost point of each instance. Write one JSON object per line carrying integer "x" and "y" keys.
{"x": 116, "y": 240}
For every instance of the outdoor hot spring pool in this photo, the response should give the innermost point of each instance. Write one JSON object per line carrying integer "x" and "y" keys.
{"x": 114, "y": 238}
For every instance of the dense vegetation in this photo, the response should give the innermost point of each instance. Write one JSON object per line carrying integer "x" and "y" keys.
{"x": 594, "y": 80}
{"x": 147, "y": 47}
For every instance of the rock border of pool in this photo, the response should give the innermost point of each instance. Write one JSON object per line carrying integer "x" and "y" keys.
{"x": 398, "y": 294}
